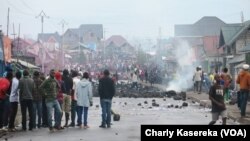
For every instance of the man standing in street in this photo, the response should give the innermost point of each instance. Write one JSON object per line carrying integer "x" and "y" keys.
{"x": 37, "y": 100}
{"x": 14, "y": 99}
{"x": 106, "y": 90}
{"x": 68, "y": 84}
{"x": 227, "y": 79}
{"x": 26, "y": 86}
{"x": 84, "y": 99}
{"x": 73, "y": 98}
{"x": 243, "y": 80}
{"x": 50, "y": 87}
{"x": 4, "y": 86}
{"x": 197, "y": 80}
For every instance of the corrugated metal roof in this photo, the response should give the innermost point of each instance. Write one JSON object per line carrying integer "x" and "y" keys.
{"x": 246, "y": 26}
{"x": 206, "y": 26}
{"x": 118, "y": 40}
{"x": 46, "y": 36}
{"x": 84, "y": 29}
{"x": 227, "y": 33}
{"x": 26, "y": 64}
{"x": 96, "y": 29}
{"x": 237, "y": 59}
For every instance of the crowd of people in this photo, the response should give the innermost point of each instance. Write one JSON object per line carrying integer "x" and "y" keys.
{"x": 219, "y": 87}
{"x": 68, "y": 94}
{"x": 47, "y": 98}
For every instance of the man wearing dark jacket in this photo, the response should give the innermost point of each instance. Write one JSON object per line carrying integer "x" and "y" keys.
{"x": 26, "y": 87}
{"x": 50, "y": 87}
{"x": 106, "y": 90}
{"x": 68, "y": 84}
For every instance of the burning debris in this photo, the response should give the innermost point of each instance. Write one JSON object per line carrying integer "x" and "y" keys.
{"x": 125, "y": 90}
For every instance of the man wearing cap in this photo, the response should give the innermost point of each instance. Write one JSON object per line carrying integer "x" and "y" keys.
{"x": 243, "y": 80}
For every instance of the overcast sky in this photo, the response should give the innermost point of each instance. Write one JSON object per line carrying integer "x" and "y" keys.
{"x": 129, "y": 18}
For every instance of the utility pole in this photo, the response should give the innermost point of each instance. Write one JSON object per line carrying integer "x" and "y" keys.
{"x": 14, "y": 34}
{"x": 159, "y": 40}
{"x": 63, "y": 22}
{"x": 42, "y": 15}
{"x": 8, "y": 20}
{"x": 242, "y": 17}
{"x": 104, "y": 48}
{"x": 18, "y": 40}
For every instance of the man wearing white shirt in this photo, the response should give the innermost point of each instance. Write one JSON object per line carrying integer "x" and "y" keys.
{"x": 197, "y": 79}
{"x": 14, "y": 98}
{"x": 74, "y": 99}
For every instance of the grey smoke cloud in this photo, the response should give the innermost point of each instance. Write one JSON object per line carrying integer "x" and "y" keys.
{"x": 184, "y": 73}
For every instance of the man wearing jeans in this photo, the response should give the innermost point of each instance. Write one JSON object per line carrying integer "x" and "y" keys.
{"x": 4, "y": 86}
{"x": 26, "y": 86}
{"x": 106, "y": 90}
{"x": 14, "y": 99}
{"x": 37, "y": 100}
{"x": 84, "y": 99}
{"x": 243, "y": 80}
{"x": 50, "y": 87}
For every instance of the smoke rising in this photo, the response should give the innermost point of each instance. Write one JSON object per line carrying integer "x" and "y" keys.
{"x": 185, "y": 68}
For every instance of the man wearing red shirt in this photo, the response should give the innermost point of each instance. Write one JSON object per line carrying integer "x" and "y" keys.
{"x": 4, "y": 86}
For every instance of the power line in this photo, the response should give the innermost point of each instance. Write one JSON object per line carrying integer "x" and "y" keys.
{"x": 24, "y": 3}
{"x": 19, "y": 10}
{"x": 42, "y": 15}
{"x": 63, "y": 22}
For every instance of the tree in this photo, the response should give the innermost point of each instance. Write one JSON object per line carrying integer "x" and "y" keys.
{"x": 141, "y": 57}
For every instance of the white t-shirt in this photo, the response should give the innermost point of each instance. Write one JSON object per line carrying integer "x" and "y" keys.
{"x": 197, "y": 75}
{"x": 75, "y": 81}
{"x": 14, "y": 94}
